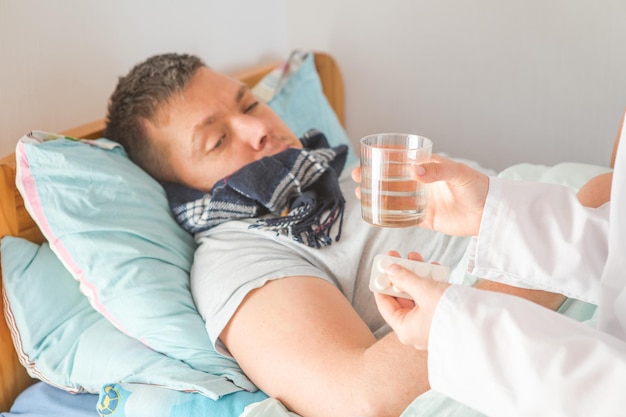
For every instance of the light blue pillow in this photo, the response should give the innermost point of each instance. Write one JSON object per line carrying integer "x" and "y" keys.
{"x": 61, "y": 340}
{"x": 110, "y": 224}
{"x": 300, "y": 101}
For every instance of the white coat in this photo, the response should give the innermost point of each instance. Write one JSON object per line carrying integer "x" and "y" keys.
{"x": 508, "y": 357}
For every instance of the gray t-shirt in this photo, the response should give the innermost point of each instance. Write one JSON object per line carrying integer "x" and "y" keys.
{"x": 233, "y": 259}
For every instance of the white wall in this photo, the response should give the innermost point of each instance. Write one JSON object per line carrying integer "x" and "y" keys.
{"x": 542, "y": 81}
{"x": 500, "y": 82}
{"x": 60, "y": 59}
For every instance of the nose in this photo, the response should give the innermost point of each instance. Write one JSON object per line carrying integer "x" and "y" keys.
{"x": 250, "y": 130}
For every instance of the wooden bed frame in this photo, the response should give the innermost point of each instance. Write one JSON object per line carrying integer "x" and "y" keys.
{"x": 15, "y": 221}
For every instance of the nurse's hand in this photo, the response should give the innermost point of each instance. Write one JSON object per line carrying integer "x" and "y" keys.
{"x": 456, "y": 195}
{"x": 411, "y": 319}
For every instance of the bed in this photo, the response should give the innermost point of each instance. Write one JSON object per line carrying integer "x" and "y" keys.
{"x": 33, "y": 238}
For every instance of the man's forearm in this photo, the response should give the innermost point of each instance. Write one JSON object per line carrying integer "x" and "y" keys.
{"x": 546, "y": 299}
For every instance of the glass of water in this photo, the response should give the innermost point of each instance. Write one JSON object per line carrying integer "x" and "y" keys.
{"x": 390, "y": 196}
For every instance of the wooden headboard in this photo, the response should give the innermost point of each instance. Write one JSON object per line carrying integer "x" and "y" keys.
{"x": 15, "y": 221}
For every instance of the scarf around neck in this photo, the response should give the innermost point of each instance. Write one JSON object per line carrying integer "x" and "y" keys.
{"x": 295, "y": 193}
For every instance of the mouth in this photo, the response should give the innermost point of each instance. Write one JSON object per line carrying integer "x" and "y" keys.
{"x": 281, "y": 143}
{"x": 280, "y": 149}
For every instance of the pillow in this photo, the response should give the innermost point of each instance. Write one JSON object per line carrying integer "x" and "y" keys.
{"x": 60, "y": 339}
{"x": 110, "y": 224}
{"x": 136, "y": 400}
{"x": 294, "y": 92}
{"x": 570, "y": 174}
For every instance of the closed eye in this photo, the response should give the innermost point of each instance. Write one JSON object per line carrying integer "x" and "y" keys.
{"x": 251, "y": 107}
{"x": 219, "y": 143}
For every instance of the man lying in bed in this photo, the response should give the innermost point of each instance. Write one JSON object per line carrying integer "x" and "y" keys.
{"x": 287, "y": 297}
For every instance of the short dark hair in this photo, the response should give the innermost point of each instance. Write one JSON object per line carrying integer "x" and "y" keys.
{"x": 137, "y": 98}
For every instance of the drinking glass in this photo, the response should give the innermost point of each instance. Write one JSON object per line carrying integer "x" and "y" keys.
{"x": 390, "y": 195}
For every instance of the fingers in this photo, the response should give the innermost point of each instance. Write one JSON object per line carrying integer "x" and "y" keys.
{"x": 408, "y": 281}
{"x": 440, "y": 168}
{"x": 411, "y": 319}
{"x": 415, "y": 256}
{"x": 387, "y": 304}
{"x": 425, "y": 292}
{"x": 437, "y": 169}
{"x": 393, "y": 309}
{"x": 356, "y": 177}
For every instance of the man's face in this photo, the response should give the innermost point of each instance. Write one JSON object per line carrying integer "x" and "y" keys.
{"x": 215, "y": 127}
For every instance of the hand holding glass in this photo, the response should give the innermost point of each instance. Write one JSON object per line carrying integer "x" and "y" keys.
{"x": 390, "y": 196}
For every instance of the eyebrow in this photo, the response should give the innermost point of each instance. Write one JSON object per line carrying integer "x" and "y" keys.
{"x": 241, "y": 92}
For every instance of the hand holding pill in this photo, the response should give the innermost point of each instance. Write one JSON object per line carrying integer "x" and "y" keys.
{"x": 409, "y": 313}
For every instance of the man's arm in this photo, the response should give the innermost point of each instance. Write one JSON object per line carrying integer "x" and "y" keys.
{"x": 300, "y": 340}
{"x": 594, "y": 193}
{"x": 546, "y": 299}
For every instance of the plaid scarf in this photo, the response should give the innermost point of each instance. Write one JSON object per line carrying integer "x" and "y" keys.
{"x": 295, "y": 192}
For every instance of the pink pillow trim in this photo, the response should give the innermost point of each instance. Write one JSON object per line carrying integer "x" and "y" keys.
{"x": 29, "y": 187}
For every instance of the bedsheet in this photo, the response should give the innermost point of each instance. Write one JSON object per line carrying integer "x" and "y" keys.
{"x": 43, "y": 400}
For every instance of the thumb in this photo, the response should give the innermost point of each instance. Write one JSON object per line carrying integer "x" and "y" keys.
{"x": 412, "y": 326}
{"x": 421, "y": 290}
{"x": 439, "y": 168}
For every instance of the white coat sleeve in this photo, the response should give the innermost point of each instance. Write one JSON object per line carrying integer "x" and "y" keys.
{"x": 505, "y": 356}
{"x": 539, "y": 235}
